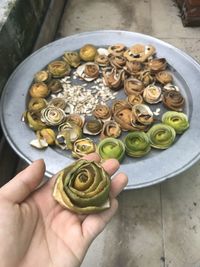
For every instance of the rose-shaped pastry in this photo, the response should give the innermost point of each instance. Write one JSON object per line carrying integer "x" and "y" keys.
{"x": 152, "y": 94}
{"x": 52, "y": 115}
{"x": 37, "y": 104}
{"x": 55, "y": 86}
{"x": 143, "y": 114}
{"x": 82, "y": 147}
{"x": 164, "y": 77}
{"x": 102, "y": 60}
{"x": 91, "y": 70}
{"x": 117, "y": 61}
{"x": 58, "y": 103}
{"x": 125, "y": 118}
{"x": 68, "y": 125}
{"x": 118, "y": 104}
{"x": 137, "y": 144}
{"x": 67, "y": 135}
{"x": 146, "y": 77}
{"x": 39, "y": 90}
{"x": 59, "y": 68}
{"x": 133, "y": 86}
{"x": 113, "y": 79}
{"x": 157, "y": 64}
{"x": 177, "y": 120}
{"x": 48, "y": 135}
{"x": 34, "y": 121}
{"x": 110, "y": 129}
{"x": 42, "y": 76}
{"x": 83, "y": 187}
{"x": 72, "y": 58}
{"x": 111, "y": 148}
{"x": 139, "y": 52}
{"x": 102, "y": 112}
{"x": 88, "y": 52}
{"x": 161, "y": 136}
{"x": 133, "y": 68}
{"x": 88, "y": 71}
{"x": 134, "y": 99}
{"x": 92, "y": 127}
{"x": 138, "y": 126}
{"x": 117, "y": 49}
{"x": 77, "y": 119}
{"x": 45, "y": 137}
{"x": 173, "y": 100}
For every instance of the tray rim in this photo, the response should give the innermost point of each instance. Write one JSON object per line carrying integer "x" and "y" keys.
{"x": 187, "y": 57}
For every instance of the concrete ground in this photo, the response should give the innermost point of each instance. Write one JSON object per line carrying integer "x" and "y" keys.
{"x": 159, "y": 225}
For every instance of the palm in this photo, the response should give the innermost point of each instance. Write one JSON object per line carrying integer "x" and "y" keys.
{"x": 57, "y": 234}
{"x": 45, "y": 234}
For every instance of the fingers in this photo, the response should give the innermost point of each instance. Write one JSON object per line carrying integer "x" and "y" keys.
{"x": 118, "y": 183}
{"x": 24, "y": 183}
{"x": 111, "y": 166}
{"x": 95, "y": 223}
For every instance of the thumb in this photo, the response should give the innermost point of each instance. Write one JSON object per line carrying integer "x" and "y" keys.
{"x": 24, "y": 183}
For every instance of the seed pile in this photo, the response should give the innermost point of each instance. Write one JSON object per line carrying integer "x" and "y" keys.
{"x": 76, "y": 98}
{"x": 83, "y": 100}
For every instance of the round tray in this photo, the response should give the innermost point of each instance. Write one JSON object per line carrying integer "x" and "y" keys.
{"x": 154, "y": 168}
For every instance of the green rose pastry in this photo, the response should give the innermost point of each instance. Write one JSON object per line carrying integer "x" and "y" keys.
{"x": 83, "y": 187}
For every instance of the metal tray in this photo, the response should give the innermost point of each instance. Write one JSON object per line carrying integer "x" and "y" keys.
{"x": 155, "y": 167}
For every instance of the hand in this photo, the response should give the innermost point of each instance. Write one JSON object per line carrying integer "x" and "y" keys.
{"x": 36, "y": 231}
